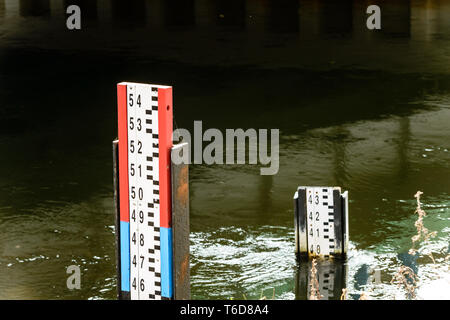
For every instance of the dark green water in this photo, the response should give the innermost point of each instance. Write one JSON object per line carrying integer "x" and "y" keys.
{"x": 366, "y": 111}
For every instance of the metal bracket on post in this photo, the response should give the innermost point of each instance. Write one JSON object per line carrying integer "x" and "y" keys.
{"x": 321, "y": 222}
{"x": 180, "y": 224}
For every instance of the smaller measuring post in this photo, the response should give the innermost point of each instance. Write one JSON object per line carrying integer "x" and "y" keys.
{"x": 321, "y": 222}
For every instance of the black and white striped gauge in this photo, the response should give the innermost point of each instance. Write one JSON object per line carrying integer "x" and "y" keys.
{"x": 321, "y": 221}
{"x": 145, "y": 140}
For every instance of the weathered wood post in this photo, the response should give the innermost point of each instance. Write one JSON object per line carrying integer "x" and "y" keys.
{"x": 321, "y": 222}
{"x": 148, "y": 211}
{"x": 180, "y": 224}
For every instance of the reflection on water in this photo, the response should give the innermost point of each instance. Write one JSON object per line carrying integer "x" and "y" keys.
{"x": 312, "y": 34}
{"x": 182, "y": 16}
{"x": 34, "y": 8}
{"x": 368, "y": 111}
{"x": 231, "y": 13}
{"x": 125, "y": 15}
{"x": 336, "y": 18}
{"x": 331, "y": 279}
{"x": 89, "y": 8}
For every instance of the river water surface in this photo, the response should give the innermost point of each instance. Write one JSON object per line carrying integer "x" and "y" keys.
{"x": 367, "y": 111}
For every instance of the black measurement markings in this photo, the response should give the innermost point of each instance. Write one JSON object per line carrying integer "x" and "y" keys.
{"x": 152, "y": 175}
{"x": 143, "y": 154}
{"x": 328, "y": 227}
{"x": 329, "y": 209}
{"x": 320, "y": 226}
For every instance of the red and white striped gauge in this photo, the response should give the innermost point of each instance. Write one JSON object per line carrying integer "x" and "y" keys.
{"x": 145, "y": 140}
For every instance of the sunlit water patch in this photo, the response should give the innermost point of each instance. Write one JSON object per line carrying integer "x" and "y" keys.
{"x": 242, "y": 262}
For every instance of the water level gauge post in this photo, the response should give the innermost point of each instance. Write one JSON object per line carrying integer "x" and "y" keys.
{"x": 321, "y": 222}
{"x": 143, "y": 193}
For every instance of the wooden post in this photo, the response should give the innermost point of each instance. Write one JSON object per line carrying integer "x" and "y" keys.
{"x": 180, "y": 225}
{"x": 321, "y": 222}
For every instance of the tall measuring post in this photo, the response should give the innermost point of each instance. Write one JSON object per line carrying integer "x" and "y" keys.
{"x": 144, "y": 195}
